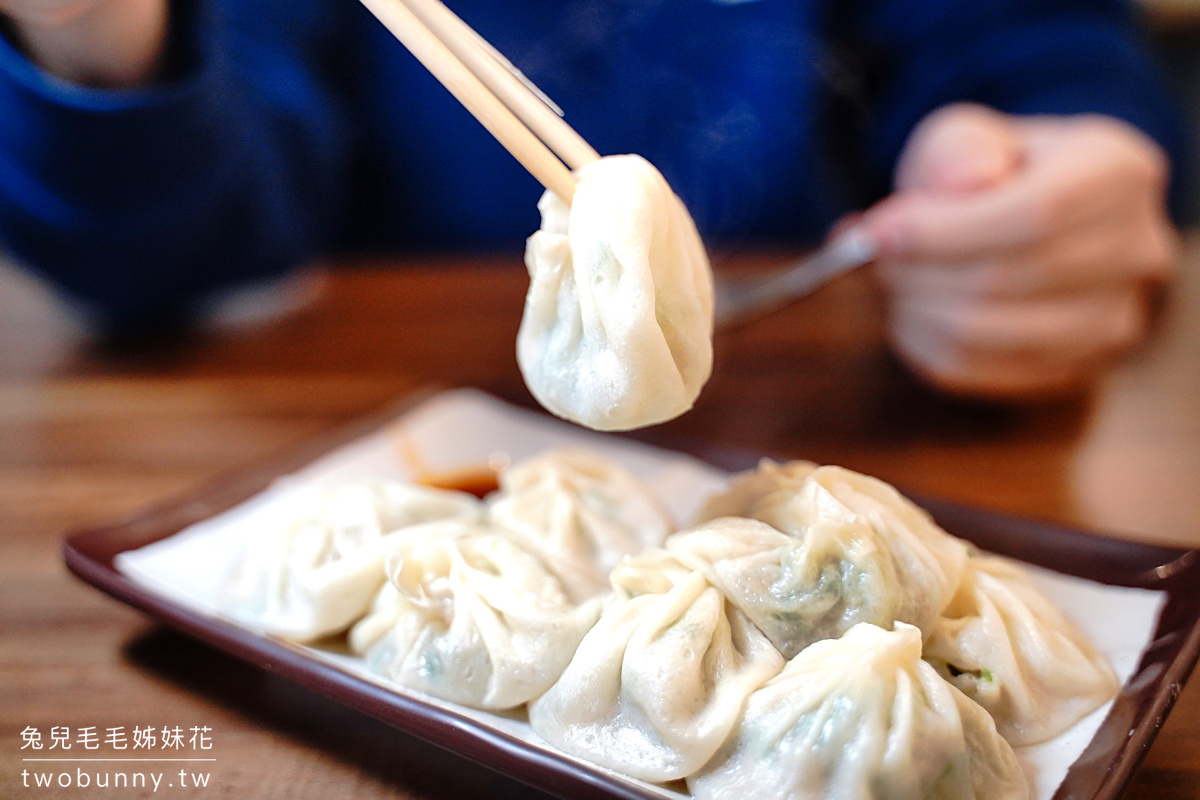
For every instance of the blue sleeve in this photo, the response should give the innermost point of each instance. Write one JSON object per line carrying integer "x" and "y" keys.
{"x": 1020, "y": 56}
{"x": 135, "y": 203}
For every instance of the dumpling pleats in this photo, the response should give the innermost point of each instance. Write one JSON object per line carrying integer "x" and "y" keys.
{"x": 823, "y": 549}
{"x": 658, "y": 683}
{"x": 862, "y": 718}
{"x": 313, "y": 571}
{"x": 580, "y": 513}
{"x": 470, "y": 617}
{"x": 1012, "y": 651}
{"x": 617, "y": 328}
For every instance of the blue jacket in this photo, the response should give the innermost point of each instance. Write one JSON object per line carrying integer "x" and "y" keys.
{"x": 285, "y": 129}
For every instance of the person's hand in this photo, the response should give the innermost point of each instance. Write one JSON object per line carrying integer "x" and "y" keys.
{"x": 1019, "y": 254}
{"x": 94, "y": 42}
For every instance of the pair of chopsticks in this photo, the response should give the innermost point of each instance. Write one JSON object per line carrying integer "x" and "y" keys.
{"x": 513, "y": 110}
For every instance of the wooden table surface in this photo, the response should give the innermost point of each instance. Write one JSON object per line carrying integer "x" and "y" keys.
{"x": 89, "y": 434}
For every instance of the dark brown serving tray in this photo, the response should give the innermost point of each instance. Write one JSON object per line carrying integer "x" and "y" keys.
{"x": 1102, "y": 772}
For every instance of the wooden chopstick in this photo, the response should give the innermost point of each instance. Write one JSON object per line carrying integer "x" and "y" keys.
{"x": 475, "y": 96}
{"x": 515, "y": 91}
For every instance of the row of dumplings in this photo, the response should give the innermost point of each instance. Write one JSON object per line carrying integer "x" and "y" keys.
{"x": 813, "y": 635}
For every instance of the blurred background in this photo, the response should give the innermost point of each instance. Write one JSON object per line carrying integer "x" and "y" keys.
{"x": 1174, "y": 25}
{"x": 1107, "y": 435}
{"x": 31, "y": 314}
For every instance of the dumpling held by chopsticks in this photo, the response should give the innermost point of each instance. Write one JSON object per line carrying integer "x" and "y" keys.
{"x": 617, "y": 330}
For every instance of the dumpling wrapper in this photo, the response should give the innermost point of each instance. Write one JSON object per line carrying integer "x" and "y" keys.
{"x": 469, "y": 616}
{"x": 580, "y": 513}
{"x": 816, "y": 550}
{"x": 858, "y": 718}
{"x": 656, "y": 686}
{"x": 314, "y": 572}
{"x": 617, "y": 328}
{"x": 1008, "y": 648}
{"x": 755, "y": 493}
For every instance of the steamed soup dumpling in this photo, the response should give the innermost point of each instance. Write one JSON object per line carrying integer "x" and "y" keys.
{"x": 820, "y": 550}
{"x": 862, "y": 718}
{"x": 469, "y": 616}
{"x": 314, "y": 571}
{"x": 580, "y": 512}
{"x": 1012, "y": 651}
{"x": 617, "y": 329}
{"x": 655, "y": 687}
